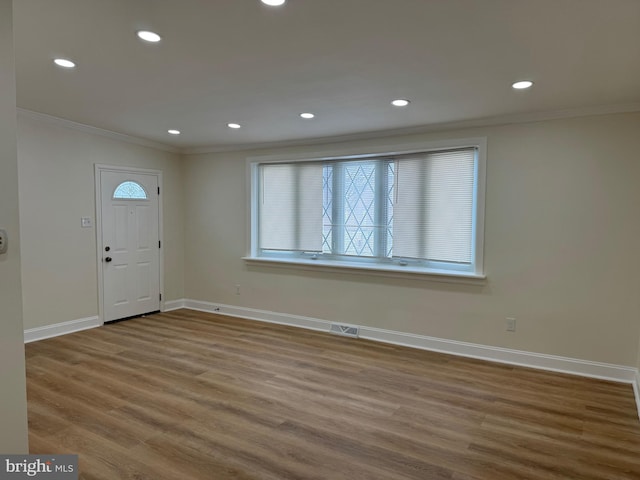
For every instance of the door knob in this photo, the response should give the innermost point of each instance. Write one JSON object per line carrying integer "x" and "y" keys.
{"x": 108, "y": 259}
{"x": 106, "y": 249}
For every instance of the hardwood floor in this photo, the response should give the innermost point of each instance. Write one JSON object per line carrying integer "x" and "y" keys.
{"x": 188, "y": 395}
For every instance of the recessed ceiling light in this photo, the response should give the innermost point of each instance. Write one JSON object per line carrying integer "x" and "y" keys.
{"x": 148, "y": 36}
{"x": 523, "y": 84}
{"x": 273, "y": 3}
{"x": 307, "y": 115}
{"x": 63, "y": 62}
{"x": 174, "y": 132}
{"x": 233, "y": 125}
{"x": 401, "y": 102}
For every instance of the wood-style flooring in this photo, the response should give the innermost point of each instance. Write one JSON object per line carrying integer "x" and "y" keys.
{"x": 188, "y": 395}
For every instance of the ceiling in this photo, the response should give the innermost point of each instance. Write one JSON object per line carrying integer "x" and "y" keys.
{"x": 240, "y": 61}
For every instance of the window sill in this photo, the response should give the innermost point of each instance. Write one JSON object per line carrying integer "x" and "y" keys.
{"x": 376, "y": 270}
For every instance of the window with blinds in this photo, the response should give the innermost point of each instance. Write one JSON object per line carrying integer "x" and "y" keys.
{"x": 404, "y": 210}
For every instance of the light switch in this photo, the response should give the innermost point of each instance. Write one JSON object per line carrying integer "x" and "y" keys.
{"x": 87, "y": 222}
{"x": 4, "y": 242}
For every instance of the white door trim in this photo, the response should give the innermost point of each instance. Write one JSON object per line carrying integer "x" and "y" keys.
{"x": 99, "y": 247}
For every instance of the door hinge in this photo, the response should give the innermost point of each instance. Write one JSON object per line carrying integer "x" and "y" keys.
{"x": 158, "y": 190}
{"x": 159, "y": 244}
{"x": 160, "y": 297}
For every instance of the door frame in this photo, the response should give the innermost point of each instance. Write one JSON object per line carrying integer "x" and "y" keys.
{"x": 98, "y": 169}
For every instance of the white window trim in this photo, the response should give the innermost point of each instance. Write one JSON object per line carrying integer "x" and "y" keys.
{"x": 378, "y": 269}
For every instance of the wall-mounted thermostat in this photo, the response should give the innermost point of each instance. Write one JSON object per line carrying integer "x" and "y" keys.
{"x": 3, "y": 242}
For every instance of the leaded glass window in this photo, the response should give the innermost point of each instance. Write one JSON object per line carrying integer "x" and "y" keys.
{"x": 410, "y": 209}
{"x": 130, "y": 190}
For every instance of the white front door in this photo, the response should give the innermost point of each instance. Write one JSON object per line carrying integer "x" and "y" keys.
{"x": 130, "y": 244}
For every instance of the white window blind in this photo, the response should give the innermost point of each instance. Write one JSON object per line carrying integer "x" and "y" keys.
{"x": 291, "y": 207}
{"x": 433, "y": 211}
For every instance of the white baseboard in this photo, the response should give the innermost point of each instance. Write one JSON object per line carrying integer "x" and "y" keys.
{"x": 585, "y": 368}
{"x": 259, "y": 315}
{"x": 173, "y": 305}
{"x": 574, "y": 366}
{"x": 48, "y": 331}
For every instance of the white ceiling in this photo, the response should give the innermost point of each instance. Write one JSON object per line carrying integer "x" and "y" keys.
{"x": 224, "y": 61}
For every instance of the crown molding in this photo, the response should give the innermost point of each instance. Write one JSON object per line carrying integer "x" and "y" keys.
{"x": 436, "y": 127}
{"x": 499, "y": 120}
{"x": 62, "y": 122}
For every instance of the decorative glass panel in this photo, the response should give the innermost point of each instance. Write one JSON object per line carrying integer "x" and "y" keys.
{"x": 327, "y": 209}
{"x": 359, "y": 208}
{"x": 130, "y": 191}
{"x": 389, "y": 199}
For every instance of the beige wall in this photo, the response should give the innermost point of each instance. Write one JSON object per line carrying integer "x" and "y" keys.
{"x": 560, "y": 247}
{"x": 57, "y": 188}
{"x": 559, "y": 243}
{"x": 13, "y": 402}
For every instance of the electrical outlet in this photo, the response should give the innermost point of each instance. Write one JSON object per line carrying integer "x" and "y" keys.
{"x": 3, "y": 242}
{"x": 237, "y": 289}
{"x": 511, "y": 324}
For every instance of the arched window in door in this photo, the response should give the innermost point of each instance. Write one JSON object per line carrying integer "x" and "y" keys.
{"x": 130, "y": 190}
